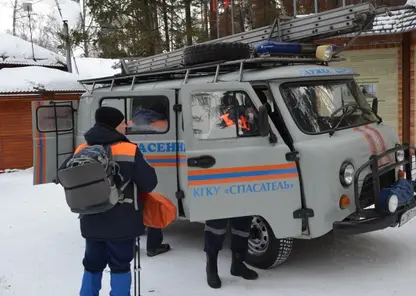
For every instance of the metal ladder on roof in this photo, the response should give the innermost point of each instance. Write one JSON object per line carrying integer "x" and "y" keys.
{"x": 344, "y": 20}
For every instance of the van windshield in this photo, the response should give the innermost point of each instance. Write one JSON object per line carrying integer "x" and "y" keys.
{"x": 321, "y": 106}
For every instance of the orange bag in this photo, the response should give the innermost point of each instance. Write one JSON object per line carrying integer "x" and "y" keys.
{"x": 158, "y": 210}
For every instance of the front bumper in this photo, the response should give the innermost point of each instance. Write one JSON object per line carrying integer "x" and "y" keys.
{"x": 372, "y": 221}
{"x": 368, "y": 220}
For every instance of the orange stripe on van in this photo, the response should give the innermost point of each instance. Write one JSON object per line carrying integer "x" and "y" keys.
{"x": 242, "y": 174}
{"x": 380, "y": 143}
{"x": 377, "y": 135}
{"x": 369, "y": 140}
{"x": 243, "y": 179}
{"x": 38, "y": 147}
{"x": 44, "y": 154}
{"x": 40, "y": 163}
{"x": 242, "y": 169}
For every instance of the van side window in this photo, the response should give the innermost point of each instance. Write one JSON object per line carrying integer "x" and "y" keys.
{"x": 149, "y": 115}
{"x": 223, "y": 114}
{"x": 145, "y": 114}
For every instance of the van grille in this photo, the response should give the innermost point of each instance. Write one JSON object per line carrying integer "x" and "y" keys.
{"x": 367, "y": 191}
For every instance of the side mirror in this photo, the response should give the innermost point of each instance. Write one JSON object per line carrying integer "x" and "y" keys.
{"x": 263, "y": 122}
{"x": 374, "y": 105}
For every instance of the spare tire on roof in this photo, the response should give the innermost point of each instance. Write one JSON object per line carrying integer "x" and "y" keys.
{"x": 213, "y": 52}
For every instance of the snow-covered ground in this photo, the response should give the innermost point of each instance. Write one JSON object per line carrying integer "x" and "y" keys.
{"x": 41, "y": 251}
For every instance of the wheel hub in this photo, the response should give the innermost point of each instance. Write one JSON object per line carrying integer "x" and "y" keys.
{"x": 258, "y": 241}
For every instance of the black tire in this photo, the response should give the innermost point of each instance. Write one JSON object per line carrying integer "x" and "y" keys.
{"x": 265, "y": 250}
{"x": 213, "y": 52}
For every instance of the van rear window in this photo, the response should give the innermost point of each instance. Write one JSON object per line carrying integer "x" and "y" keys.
{"x": 144, "y": 114}
{"x": 54, "y": 118}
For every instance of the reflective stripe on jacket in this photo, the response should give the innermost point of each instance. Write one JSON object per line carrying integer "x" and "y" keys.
{"x": 120, "y": 151}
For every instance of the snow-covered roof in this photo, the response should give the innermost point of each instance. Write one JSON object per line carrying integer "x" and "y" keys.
{"x": 34, "y": 79}
{"x": 16, "y": 51}
{"x": 399, "y": 21}
{"x": 89, "y": 68}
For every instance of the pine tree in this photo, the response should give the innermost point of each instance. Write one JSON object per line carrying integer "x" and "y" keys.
{"x": 188, "y": 21}
{"x": 138, "y": 28}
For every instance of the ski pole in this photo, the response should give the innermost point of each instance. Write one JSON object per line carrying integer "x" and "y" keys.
{"x": 135, "y": 268}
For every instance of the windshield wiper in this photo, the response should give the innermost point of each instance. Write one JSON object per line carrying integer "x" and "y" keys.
{"x": 349, "y": 109}
{"x": 346, "y": 107}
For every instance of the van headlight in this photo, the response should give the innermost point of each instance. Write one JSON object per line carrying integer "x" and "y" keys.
{"x": 392, "y": 203}
{"x": 399, "y": 155}
{"x": 346, "y": 174}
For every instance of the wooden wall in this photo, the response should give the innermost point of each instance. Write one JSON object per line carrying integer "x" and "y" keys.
{"x": 16, "y": 145}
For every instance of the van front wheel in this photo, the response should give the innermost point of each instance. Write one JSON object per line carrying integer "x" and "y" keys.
{"x": 264, "y": 249}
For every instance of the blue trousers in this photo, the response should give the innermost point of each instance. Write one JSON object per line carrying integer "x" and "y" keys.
{"x": 116, "y": 254}
{"x": 154, "y": 238}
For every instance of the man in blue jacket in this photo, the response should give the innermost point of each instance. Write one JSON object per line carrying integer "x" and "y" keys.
{"x": 110, "y": 236}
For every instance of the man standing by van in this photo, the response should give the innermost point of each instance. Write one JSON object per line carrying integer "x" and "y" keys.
{"x": 111, "y": 235}
{"x": 154, "y": 243}
{"x": 215, "y": 231}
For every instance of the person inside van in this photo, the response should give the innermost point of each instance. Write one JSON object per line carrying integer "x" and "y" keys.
{"x": 153, "y": 118}
{"x": 232, "y": 113}
{"x": 111, "y": 235}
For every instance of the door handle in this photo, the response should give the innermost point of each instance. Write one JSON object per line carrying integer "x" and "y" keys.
{"x": 203, "y": 161}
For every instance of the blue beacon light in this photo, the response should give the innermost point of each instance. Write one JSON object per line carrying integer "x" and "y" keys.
{"x": 274, "y": 47}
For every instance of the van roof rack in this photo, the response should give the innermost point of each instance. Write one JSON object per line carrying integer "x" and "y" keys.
{"x": 201, "y": 70}
{"x": 344, "y": 20}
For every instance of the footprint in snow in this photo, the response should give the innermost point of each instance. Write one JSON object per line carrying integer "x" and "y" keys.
{"x": 3, "y": 284}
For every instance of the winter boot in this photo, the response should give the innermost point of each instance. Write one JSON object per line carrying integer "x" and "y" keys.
{"x": 162, "y": 248}
{"x": 91, "y": 283}
{"x": 238, "y": 268}
{"x": 120, "y": 284}
{"x": 213, "y": 279}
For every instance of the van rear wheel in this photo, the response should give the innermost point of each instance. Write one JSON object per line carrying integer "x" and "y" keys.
{"x": 264, "y": 249}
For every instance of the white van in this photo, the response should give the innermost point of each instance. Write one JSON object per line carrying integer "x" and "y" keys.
{"x": 316, "y": 157}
